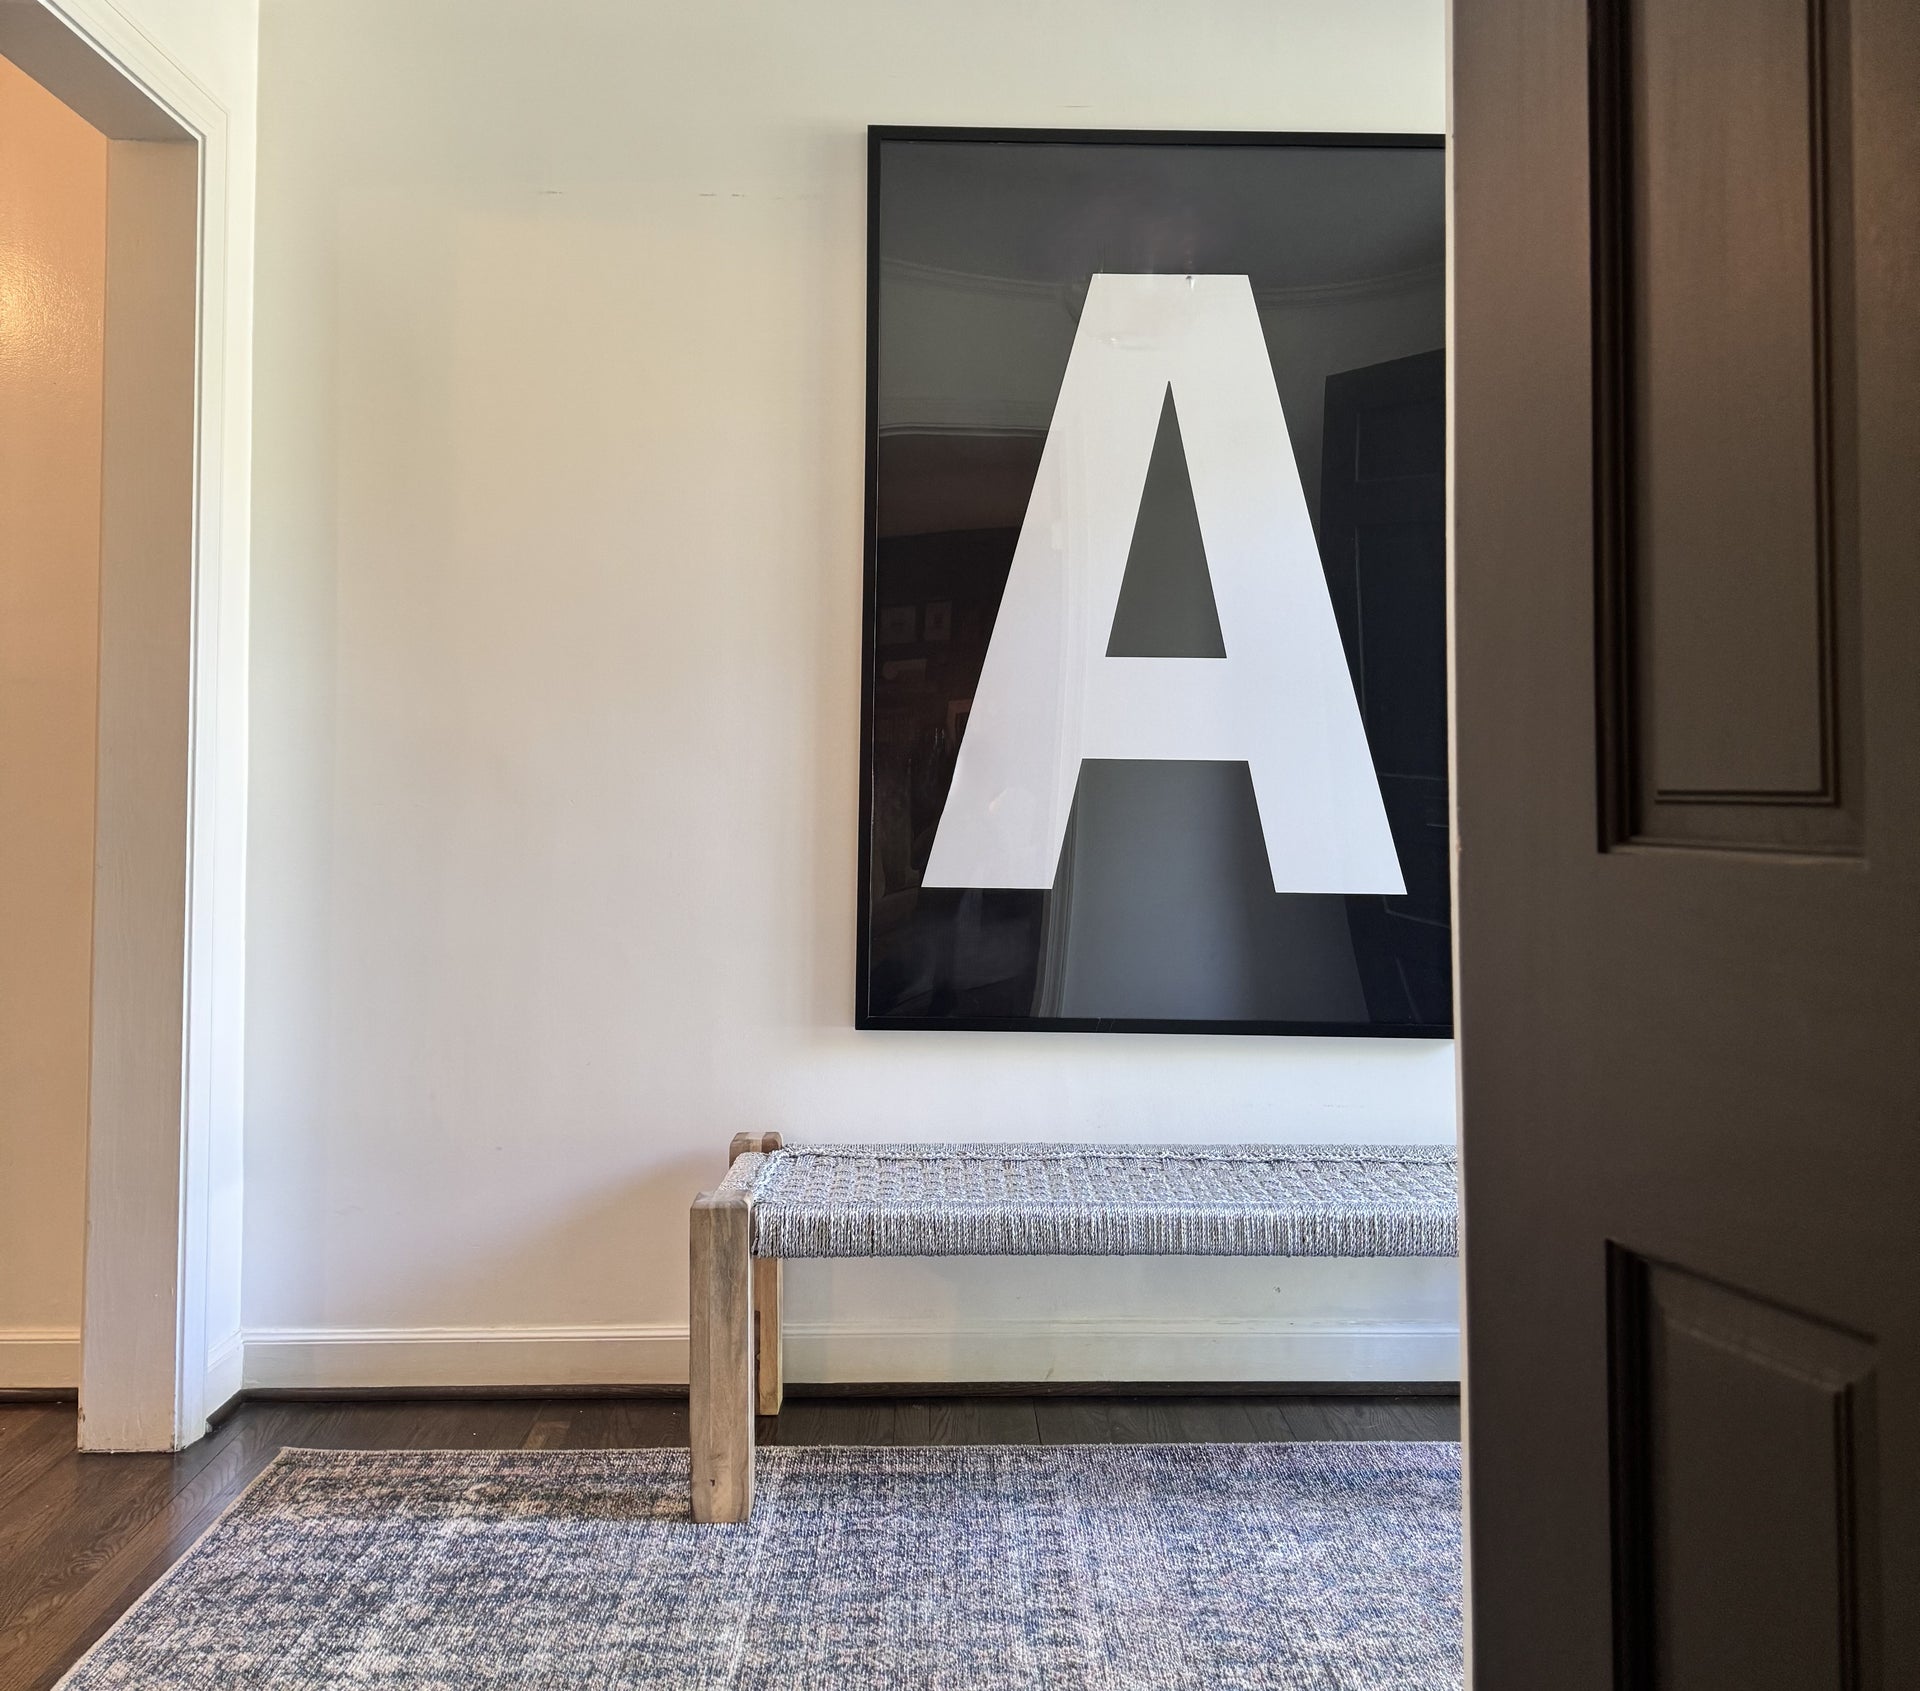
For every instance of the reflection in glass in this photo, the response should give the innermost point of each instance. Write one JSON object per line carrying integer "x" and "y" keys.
{"x": 1162, "y": 910}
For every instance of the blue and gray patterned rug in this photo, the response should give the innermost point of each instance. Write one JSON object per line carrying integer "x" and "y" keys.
{"x": 1315, "y": 1567}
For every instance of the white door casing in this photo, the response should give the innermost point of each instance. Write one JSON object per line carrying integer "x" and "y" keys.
{"x": 159, "y": 1342}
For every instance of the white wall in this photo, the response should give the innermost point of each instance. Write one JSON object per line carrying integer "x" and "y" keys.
{"x": 555, "y": 701}
{"x": 53, "y": 276}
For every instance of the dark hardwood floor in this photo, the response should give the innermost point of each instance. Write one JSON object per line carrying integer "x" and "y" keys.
{"x": 82, "y": 1536}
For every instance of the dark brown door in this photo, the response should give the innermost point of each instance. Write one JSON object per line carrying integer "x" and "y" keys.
{"x": 1687, "y": 661}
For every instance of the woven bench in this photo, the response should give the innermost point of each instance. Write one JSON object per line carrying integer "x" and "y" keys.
{"x": 778, "y": 1203}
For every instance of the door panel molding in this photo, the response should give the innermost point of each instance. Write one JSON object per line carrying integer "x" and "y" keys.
{"x": 1727, "y": 1570}
{"x": 1740, "y": 727}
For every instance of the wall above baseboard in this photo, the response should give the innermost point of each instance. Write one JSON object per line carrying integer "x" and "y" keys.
{"x": 313, "y": 1358}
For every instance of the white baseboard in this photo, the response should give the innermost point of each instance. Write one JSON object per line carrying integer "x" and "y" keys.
{"x": 311, "y": 1358}
{"x": 1225, "y": 1350}
{"x": 320, "y": 1358}
{"x": 39, "y": 1359}
{"x": 226, "y": 1369}
{"x": 48, "y": 1359}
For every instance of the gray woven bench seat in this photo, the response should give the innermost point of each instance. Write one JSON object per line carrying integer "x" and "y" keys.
{"x": 1100, "y": 1200}
{"x": 779, "y": 1202}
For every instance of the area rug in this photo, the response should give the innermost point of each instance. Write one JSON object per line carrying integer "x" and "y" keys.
{"x": 1314, "y": 1567}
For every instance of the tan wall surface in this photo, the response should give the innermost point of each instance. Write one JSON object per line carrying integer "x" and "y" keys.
{"x": 53, "y": 219}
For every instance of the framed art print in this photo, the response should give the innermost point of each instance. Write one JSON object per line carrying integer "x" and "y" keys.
{"x": 1155, "y": 711}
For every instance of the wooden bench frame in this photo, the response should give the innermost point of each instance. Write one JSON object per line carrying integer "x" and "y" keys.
{"x": 734, "y": 1362}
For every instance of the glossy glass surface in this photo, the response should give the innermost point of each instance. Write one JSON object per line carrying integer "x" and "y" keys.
{"x": 1162, "y": 912}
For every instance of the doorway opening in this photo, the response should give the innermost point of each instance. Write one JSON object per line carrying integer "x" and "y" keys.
{"x": 109, "y": 507}
{"x": 53, "y": 261}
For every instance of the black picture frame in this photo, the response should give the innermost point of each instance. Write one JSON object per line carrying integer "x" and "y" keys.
{"x": 879, "y": 138}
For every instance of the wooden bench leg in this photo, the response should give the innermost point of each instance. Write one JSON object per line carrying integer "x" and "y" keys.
{"x": 768, "y": 1371}
{"x": 720, "y": 1397}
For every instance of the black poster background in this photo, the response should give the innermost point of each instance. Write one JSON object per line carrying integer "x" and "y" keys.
{"x": 1163, "y": 914}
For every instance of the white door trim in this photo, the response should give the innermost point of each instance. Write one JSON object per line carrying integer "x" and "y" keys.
{"x": 163, "y": 1159}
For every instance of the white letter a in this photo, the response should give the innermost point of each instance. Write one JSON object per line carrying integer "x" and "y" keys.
{"x": 1280, "y": 701}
